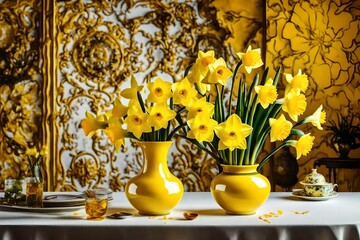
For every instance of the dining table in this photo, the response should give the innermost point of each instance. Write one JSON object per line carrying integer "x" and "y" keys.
{"x": 283, "y": 216}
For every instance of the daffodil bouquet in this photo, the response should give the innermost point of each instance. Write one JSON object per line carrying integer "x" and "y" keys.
{"x": 152, "y": 113}
{"x": 231, "y": 122}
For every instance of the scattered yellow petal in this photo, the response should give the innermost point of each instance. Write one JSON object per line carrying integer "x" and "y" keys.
{"x": 296, "y": 212}
{"x": 190, "y": 215}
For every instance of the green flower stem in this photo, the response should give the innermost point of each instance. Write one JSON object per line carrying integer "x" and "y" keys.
{"x": 172, "y": 133}
{"x": 202, "y": 147}
{"x": 287, "y": 143}
{"x": 231, "y": 157}
{"x": 297, "y": 132}
{"x": 141, "y": 101}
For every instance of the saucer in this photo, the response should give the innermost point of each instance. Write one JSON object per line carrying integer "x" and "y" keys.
{"x": 301, "y": 194}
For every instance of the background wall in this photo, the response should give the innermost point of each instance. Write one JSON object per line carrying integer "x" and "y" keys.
{"x": 59, "y": 59}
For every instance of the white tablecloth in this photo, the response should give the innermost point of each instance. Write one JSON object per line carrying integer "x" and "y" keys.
{"x": 337, "y": 218}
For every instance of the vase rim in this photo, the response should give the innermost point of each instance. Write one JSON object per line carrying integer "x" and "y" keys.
{"x": 239, "y": 169}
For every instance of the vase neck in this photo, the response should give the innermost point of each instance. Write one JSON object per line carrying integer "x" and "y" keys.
{"x": 155, "y": 156}
{"x": 240, "y": 169}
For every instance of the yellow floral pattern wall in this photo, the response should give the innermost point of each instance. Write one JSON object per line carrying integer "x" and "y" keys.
{"x": 55, "y": 66}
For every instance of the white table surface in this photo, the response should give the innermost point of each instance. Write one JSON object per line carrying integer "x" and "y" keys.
{"x": 337, "y": 218}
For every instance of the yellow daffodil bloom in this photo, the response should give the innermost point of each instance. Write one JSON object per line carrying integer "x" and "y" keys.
{"x": 202, "y": 128}
{"x": 183, "y": 92}
{"x": 195, "y": 77}
{"x": 116, "y": 133}
{"x": 119, "y": 110}
{"x": 232, "y": 133}
{"x": 294, "y": 104}
{"x": 251, "y": 59}
{"x": 131, "y": 93}
{"x": 267, "y": 94}
{"x": 304, "y": 145}
{"x": 160, "y": 115}
{"x": 32, "y": 152}
{"x": 136, "y": 121}
{"x": 203, "y": 61}
{"x": 317, "y": 118}
{"x": 197, "y": 106}
{"x": 280, "y": 128}
{"x": 218, "y": 72}
{"x": 90, "y": 124}
{"x": 160, "y": 91}
{"x": 300, "y": 81}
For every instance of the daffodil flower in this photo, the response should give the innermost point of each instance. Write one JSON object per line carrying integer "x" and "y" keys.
{"x": 303, "y": 146}
{"x": 200, "y": 69}
{"x": 317, "y": 118}
{"x": 300, "y": 81}
{"x": 136, "y": 121}
{"x": 267, "y": 94}
{"x": 218, "y": 72}
{"x": 183, "y": 92}
{"x": 280, "y": 128}
{"x": 203, "y": 61}
{"x": 197, "y": 106}
{"x": 232, "y": 133}
{"x": 251, "y": 59}
{"x": 160, "y": 91}
{"x": 160, "y": 115}
{"x": 294, "y": 104}
{"x": 116, "y": 133}
{"x": 90, "y": 124}
{"x": 195, "y": 77}
{"x": 131, "y": 93}
{"x": 119, "y": 110}
{"x": 202, "y": 128}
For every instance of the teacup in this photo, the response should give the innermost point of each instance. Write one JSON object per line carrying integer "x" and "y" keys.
{"x": 318, "y": 190}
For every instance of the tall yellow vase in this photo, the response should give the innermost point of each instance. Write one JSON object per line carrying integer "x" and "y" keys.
{"x": 240, "y": 189}
{"x": 155, "y": 190}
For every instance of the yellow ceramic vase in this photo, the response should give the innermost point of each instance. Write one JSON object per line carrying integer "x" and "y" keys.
{"x": 240, "y": 189}
{"x": 155, "y": 190}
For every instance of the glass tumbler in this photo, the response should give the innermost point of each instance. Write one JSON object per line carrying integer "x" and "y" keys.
{"x": 96, "y": 202}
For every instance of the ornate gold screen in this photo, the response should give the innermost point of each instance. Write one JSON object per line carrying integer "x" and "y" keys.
{"x": 61, "y": 58}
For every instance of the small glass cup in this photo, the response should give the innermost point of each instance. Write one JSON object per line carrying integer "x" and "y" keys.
{"x": 34, "y": 192}
{"x": 96, "y": 202}
{"x": 15, "y": 190}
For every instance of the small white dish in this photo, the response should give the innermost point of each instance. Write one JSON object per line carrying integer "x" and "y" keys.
{"x": 300, "y": 193}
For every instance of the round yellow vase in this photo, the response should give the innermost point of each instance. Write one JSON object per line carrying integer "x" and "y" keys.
{"x": 155, "y": 190}
{"x": 240, "y": 189}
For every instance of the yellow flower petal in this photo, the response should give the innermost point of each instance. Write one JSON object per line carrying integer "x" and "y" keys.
{"x": 294, "y": 104}
{"x": 267, "y": 94}
{"x": 131, "y": 93}
{"x": 197, "y": 106}
{"x": 232, "y": 133}
{"x": 183, "y": 92}
{"x": 304, "y": 145}
{"x": 116, "y": 133}
{"x": 202, "y": 128}
{"x": 251, "y": 59}
{"x": 160, "y": 115}
{"x": 160, "y": 91}
{"x": 218, "y": 72}
{"x": 300, "y": 81}
{"x": 90, "y": 124}
{"x": 136, "y": 121}
{"x": 280, "y": 128}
